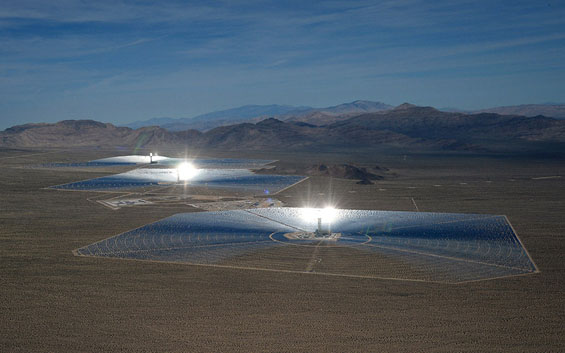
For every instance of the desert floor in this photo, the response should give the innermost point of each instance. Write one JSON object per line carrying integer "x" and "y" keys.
{"x": 51, "y": 300}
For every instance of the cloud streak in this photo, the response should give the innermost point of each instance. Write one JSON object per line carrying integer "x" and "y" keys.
{"x": 75, "y": 58}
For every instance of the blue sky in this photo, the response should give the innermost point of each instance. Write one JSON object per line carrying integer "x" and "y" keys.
{"x": 120, "y": 61}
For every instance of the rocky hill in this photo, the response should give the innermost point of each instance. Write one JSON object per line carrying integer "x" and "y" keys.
{"x": 86, "y": 133}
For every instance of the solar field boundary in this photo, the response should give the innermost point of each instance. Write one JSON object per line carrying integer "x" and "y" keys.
{"x": 522, "y": 245}
{"x": 327, "y": 274}
{"x": 439, "y": 256}
{"x": 288, "y": 187}
{"x": 76, "y": 253}
{"x": 170, "y": 248}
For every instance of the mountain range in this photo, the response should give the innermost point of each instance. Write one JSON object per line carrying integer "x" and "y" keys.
{"x": 550, "y": 109}
{"x": 321, "y": 116}
{"x": 255, "y": 113}
{"x": 406, "y": 127}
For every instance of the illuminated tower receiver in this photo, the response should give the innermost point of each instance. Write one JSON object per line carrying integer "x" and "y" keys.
{"x": 321, "y": 232}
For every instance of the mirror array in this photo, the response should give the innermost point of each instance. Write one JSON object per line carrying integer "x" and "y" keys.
{"x": 413, "y": 246}
{"x": 234, "y": 174}
{"x": 237, "y": 179}
{"x": 133, "y": 160}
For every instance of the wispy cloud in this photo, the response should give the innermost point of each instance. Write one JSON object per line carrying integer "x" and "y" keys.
{"x": 170, "y": 57}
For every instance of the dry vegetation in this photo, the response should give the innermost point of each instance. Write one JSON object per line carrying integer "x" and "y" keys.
{"x": 51, "y": 300}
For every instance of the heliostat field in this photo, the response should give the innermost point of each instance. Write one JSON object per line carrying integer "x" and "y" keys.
{"x": 225, "y": 173}
{"x": 413, "y": 246}
{"x": 233, "y": 179}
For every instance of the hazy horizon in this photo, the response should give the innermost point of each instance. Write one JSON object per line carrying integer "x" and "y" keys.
{"x": 129, "y": 61}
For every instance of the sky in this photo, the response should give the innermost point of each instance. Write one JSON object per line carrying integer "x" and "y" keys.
{"x": 122, "y": 61}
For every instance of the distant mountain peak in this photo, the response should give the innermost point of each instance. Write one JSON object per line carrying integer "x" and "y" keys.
{"x": 81, "y": 124}
{"x": 252, "y": 113}
{"x": 358, "y": 106}
{"x": 270, "y": 121}
{"x": 415, "y": 109}
{"x": 405, "y": 106}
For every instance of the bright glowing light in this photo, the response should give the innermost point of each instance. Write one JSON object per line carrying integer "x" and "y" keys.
{"x": 327, "y": 214}
{"x": 186, "y": 171}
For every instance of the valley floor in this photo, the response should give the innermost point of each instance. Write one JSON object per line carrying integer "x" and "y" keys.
{"x": 51, "y": 300}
